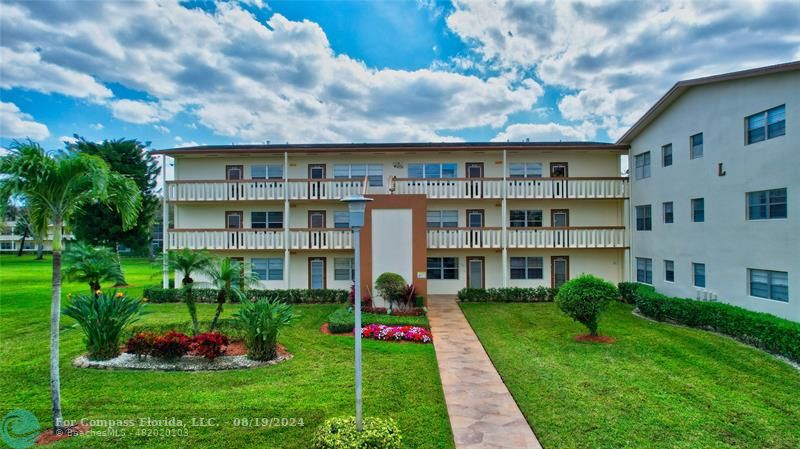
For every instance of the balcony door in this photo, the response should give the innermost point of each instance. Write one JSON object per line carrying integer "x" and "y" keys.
{"x": 475, "y": 219}
{"x": 559, "y": 218}
{"x": 316, "y": 272}
{"x": 476, "y": 276}
{"x": 234, "y": 221}
{"x": 316, "y": 228}
{"x": 316, "y": 188}
{"x": 234, "y": 173}
{"x": 559, "y": 270}
{"x": 559, "y": 170}
{"x": 474, "y": 187}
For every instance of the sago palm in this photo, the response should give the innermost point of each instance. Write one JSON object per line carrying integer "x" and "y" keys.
{"x": 54, "y": 187}
{"x": 189, "y": 262}
{"x": 92, "y": 265}
{"x": 231, "y": 278}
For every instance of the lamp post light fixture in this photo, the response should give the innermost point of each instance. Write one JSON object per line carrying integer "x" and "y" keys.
{"x": 357, "y": 205}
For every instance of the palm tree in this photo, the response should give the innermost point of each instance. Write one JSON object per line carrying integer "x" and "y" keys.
{"x": 189, "y": 262}
{"x": 231, "y": 278}
{"x": 90, "y": 264}
{"x": 22, "y": 227}
{"x": 54, "y": 187}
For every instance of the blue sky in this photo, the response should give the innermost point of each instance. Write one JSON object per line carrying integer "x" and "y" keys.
{"x": 190, "y": 73}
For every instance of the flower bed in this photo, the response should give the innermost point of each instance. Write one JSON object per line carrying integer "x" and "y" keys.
{"x": 397, "y": 333}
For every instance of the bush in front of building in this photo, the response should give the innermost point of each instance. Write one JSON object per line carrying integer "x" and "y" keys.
{"x": 584, "y": 299}
{"x": 341, "y": 433}
{"x": 762, "y": 330}
{"x": 209, "y": 295}
{"x": 510, "y": 294}
{"x": 627, "y": 292}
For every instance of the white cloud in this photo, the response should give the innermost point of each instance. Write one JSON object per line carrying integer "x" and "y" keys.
{"x": 15, "y": 124}
{"x": 139, "y": 112}
{"x": 161, "y": 129}
{"x": 67, "y": 139}
{"x": 97, "y": 126}
{"x": 546, "y": 132}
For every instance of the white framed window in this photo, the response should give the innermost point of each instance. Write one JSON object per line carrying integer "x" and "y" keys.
{"x": 642, "y": 165}
{"x": 374, "y": 172}
{"x": 442, "y": 268}
{"x": 341, "y": 219}
{"x": 696, "y": 146}
{"x": 766, "y": 204}
{"x": 769, "y": 284}
{"x": 669, "y": 270}
{"x": 442, "y": 218}
{"x": 644, "y": 270}
{"x": 699, "y": 274}
{"x": 531, "y": 218}
{"x": 666, "y": 155}
{"x": 271, "y": 220}
{"x": 669, "y": 213}
{"x": 644, "y": 218}
{"x": 525, "y": 170}
{"x": 267, "y": 269}
{"x": 344, "y": 268}
{"x": 698, "y": 210}
{"x": 266, "y": 171}
{"x": 527, "y": 267}
{"x": 432, "y": 170}
{"x": 766, "y": 125}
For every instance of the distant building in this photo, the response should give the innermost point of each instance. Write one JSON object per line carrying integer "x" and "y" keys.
{"x": 9, "y": 241}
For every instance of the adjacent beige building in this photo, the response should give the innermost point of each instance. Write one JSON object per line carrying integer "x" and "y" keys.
{"x": 445, "y": 216}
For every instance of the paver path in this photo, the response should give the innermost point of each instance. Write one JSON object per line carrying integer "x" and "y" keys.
{"x": 482, "y": 412}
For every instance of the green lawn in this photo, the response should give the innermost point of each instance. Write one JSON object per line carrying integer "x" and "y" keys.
{"x": 658, "y": 386}
{"x": 400, "y": 380}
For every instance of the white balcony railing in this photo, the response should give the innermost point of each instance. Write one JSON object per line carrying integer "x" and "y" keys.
{"x": 567, "y": 188}
{"x": 259, "y": 239}
{"x": 570, "y": 237}
{"x": 262, "y": 190}
{"x": 324, "y": 189}
{"x": 446, "y": 238}
{"x": 450, "y": 188}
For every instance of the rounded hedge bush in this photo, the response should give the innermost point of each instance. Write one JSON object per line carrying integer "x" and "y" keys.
{"x": 391, "y": 286}
{"x": 584, "y": 298}
{"x": 341, "y": 433}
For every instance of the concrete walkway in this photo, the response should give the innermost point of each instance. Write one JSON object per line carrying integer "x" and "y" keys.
{"x": 482, "y": 412}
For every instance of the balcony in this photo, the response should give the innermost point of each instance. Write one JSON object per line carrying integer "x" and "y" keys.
{"x": 527, "y": 238}
{"x": 440, "y": 188}
{"x": 259, "y": 239}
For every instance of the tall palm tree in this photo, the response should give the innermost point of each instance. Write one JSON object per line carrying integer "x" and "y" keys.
{"x": 92, "y": 265}
{"x": 189, "y": 262}
{"x": 231, "y": 278}
{"x": 54, "y": 187}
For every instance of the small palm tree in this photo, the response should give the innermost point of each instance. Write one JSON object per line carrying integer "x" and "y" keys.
{"x": 92, "y": 265}
{"x": 189, "y": 262}
{"x": 54, "y": 187}
{"x": 231, "y": 278}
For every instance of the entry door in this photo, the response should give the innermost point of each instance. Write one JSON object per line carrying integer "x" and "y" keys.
{"x": 234, "y": 173}
{"x": 475, "y": 187}
{"x": 559, "y": 270}
{"x": 316, "y": 171}
{"x": 316, "y": 189}
{"x": 234, "y": 220}
{"x": 316, "y": 220}
{"x": 475, "y": 272}
{"x": 316, "y": 272}
{"x": 559, "y": 218}
{"x": 475, "y": 219}
{"x": 559, "y": 170}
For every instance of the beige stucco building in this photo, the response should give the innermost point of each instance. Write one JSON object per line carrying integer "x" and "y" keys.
{"x": 445, "y": 216}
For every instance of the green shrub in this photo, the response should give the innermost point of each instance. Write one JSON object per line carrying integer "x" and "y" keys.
{"x": 261, "y": 321}
{"x": 226, "y": 326}
{"x": 102, "y": 319}
{"x": 510, "y": 294}
{"x": 209, "y": 295}
{"x": 392, "y": 287}
{"x": 584, "y": 298}
{"x": 627, "y": 291}
{"x": 341, "y": 433}
{"x": 343, "y": 320}
{"x": 761, "y": 330}
{"x": 419, "y": 301}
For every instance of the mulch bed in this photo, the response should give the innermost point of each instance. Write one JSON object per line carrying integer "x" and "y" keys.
{"x": 595, "y": 338}
{"x": 48, "y": 437}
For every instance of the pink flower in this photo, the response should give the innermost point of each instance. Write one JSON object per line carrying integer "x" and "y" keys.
{"x": 397, "y": 333}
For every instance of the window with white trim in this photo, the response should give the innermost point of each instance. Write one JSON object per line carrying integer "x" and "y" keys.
{"x": 644, "y": 218}
{"x": 525, "y": 170}
{"x": 669, "y": 270}
{"x": 531, "y": 218}
{"x": 698, "y": 210}
{"x": 666, "y": 155}
{"x": 271, "y": 220}
{"x": 669, "y": 213}
{"x": 442, "y": 218}
{"x": 267, "y": 269}
{"x": 642, "y": 165}
{"x": 442, "y": 268}
{"x": 644, "y": 270}
{"x": 699, "y": 274}
{"x": 769, "y": 284}
{"x": 266, "y": 171}
{"x": 344, "y": 268}
{"x": 374, "y": 172}
{"x": 341, "y": 219}
{"x": 766, "y": 124}
{"x": 527, "y": 267}
{"x": 432, "y": 170}
{"x": 696, "y": 146}
{"x": 766, "y": 204}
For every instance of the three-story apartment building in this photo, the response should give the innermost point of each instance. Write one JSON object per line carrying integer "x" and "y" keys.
{"x": 443, "y": 215}
{"x": 715, "y": 187}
